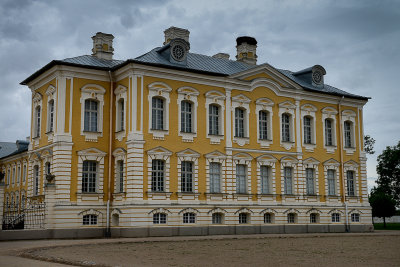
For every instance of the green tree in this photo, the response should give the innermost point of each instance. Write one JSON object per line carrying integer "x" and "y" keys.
{"x": 369, "y": 143}
{"x": 383, "y": 205}
{"x": 388, "y": 170}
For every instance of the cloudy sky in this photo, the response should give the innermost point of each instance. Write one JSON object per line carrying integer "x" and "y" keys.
{"x": 356, "y": 41}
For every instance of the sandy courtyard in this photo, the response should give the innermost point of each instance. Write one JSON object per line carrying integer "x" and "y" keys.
{"x": 358, "y": 250}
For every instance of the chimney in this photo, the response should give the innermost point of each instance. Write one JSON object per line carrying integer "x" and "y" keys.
{"x": 102, "y": 45}
{"x": 174, "y": 32}
{"x": 246, "y": 49}
{"x": 221, "y": 55}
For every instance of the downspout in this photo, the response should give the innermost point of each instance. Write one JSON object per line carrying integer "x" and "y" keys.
{"x": 108, "y": 229}
{"x": 341, "y": 163}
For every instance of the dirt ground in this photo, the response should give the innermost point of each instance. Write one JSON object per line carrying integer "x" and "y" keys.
{"x": 266, "y": 251}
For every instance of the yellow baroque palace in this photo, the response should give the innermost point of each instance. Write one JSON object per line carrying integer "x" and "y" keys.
{"x": 177, "y": 143}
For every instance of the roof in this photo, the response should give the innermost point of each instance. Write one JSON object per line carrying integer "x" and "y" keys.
{"x": 9, "y": 149}
{"x": 194, "y": 63}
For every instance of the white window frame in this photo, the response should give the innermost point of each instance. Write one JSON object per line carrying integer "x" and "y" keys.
{"x": 311, "y": 163}
{"x": 92, "y": 212}
{"x": 161, "y": 90}
{"x": 36, "y": 180}
{"x": 157, "y": 220}
{"x": 19, "y": 169}
{"x": 218, "y": 99}
{"x": 14, "y": 174}
{"x": 92, "y": 92}
{"x": 188, "y": 211}
{"x": 242, "y": 159}
{"x": 158, "y": 153}
{"x": 265, "y": 104}
{"x": 330, "y": 113}
{"x": 353, "y": 216}
{"x": 308, "y": 110}
{"x": 188, "y": 94}
{"x": 351, "y": 166}
{"x": 291, "y": 218}
{"x": 266, "y": 160}
{"x": 350, "y": 116}
{"x": 220, "y": 158}
{"x": 288, "y": 161}
{"x": 24, "y": 172}
{"x": 288, "y": 108}
{"x": 272, "y": 214}
{"x": 36, "y": 103}
{"x": 51, "y": 96}
{"x": 189, "y": 155}
{"x": 332, "y": 164}
{"x": 119, "y": 155}
{"x": 243, "y": 102}
{"x": 121, "y": 94}
{"x": 335, "y": 217}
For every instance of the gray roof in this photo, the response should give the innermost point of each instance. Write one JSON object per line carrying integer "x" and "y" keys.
{"x": 7, "y": 148}
{"x": 92, "y": 61}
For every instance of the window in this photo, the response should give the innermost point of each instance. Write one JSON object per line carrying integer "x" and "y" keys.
{"x": 213, "y": 120}
{"x": 243, "y": 218}
{"x": 121, "y": 115}
{"x": 307, "y": 121}
{"x": 267, "y": 218}
{"x": 350, "y": 183}
{"x": 159, "y": 218}
{"x": 89, "y": 219}
{"x": 239, "y": 122}
{"x": 37, "y": 122}
{"x": 48, "y": 168}
{"x": 13, "y": 175}
{"x": 186, "y": 117}
{"x": 23, "y": 200}
{"x": 89, "y": 173}
{"x": 241, "y": 187}
{"x": 50, "y": 116}
{"x": 263, "y": 124}
{"x": 331, "y": 182}
{"x": 189, "y": 217}
{"x": 157, "y": 175}
{"x": 287, "y": 174}
{"x": 18, "y": 174}
{"x": 355, "y": 217}
{"x": 24, "y": 174}
{"x": 217, "y": 218}
{"x": 215, "y": 177}
{"x": 36, "y": 180}
{"x": 347, "y": 134}
{"x": 187, "y": 176}
{"x": 265, "y": 171}
{"x": 328, "y": 132}
{"x": 90, "y": 115}
{"x": 335, "y": 217}
{"x": 291, "y": 218}
{"x": 313, "y": 218}
{"x": 157, "y": 120}
{"x": 8, "y": 176}
{"x": 120, "y": 166}
{"x": 285, "y": 127}
{"x": 310, "y": 181}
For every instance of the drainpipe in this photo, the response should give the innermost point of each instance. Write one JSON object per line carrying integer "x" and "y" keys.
{"x": 341, "y": 163}
{"x": 108, "y": 230}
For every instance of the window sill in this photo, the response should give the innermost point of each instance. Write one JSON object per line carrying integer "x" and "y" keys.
{"x": 241, "y": 141}
{"x": 49, "y": 132}
{"x": 158, "y": 130}
{"x": 187, "y": 137}
{"x": 287, "y": 145}
{"x": 159, "y": 134}
{"x": 91, "y": 136}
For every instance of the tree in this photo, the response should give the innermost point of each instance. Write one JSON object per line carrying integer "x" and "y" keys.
{"x": 369, "y": 143}
{"x": 388, "y": 170}
{"x": 383, "y": 205}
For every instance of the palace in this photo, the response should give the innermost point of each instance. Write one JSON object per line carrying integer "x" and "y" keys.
{"x": 178, "y": 143}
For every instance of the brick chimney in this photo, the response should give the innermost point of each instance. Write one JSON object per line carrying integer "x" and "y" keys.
{"x": 102, "y": 45}
{"x": 174, "y": 32}
{"x": 246, "y": 49}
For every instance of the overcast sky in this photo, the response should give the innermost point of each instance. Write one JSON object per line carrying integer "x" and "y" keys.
{"x": 357, "y": 42}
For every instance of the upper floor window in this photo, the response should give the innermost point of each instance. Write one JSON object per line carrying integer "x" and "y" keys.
{"x": 331, "y": 182}
{"x": 187, "y": 176}
{"x": 13, "y": 175}
{"x": 328, "y": 132}
{"x": 288, "y": 180}
{"x": 350, "y": 183}
{"x": 157, "y": 175}
{"x": 24, "y": 174}
{"x": 36, "y": 180}
{"x": 214, "y": 120}
{"x": 120, "y": 115}
{"x": 186, "y": 117}
{"x": 8, "y": 177}
{"x": 18, "y": 174}
{"x": 157, "y": 115}
{"x": 159, "y": 218}
{"x": 348, "y": 134}
{"x": 50, "y": 116}
{"x": 239, "y": 122}
{"x": 189, "y": 217}
{"x": 91, "y": 112}
{"x": 241, "y": 178}
{"x": 48, "y": 168}
{"x": 89, "y": 219}
{"x": 263, "y": 124}
{"x": 120, "y": 166}
{"x": 89, "y": 176}
{"x": 37, "y": 122}
{"x": 265, "y": 180}
{"x": 215, "y": 177}
{"x": 310, "y": 181}
{"x": 307, "y": 121}
{"x": 286, "y": 128}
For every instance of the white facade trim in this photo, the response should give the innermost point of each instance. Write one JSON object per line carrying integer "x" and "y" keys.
{"x": 217, "y": 98}
{"x": 190, "y": 94}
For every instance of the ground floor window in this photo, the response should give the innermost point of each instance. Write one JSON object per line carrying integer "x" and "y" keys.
{"x": 189, "y": 217}
{"x": 89, "y": 219}
{"x": 355, "y": 217}
{"x": 159, "y": 218}
{"x": 313, "y": 218}
{"x": 335, "y": 217}
{"x": 243, "y": 218}
{"x": 291, "y": 218}
{"x": 267, "y": 218}
{"x": 217, "y": 218}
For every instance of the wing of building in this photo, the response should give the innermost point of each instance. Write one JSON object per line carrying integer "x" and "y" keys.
{"x": 177, "y": 143}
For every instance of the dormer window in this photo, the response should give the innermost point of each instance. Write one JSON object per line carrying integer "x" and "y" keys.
{"x": 179, "y": 50}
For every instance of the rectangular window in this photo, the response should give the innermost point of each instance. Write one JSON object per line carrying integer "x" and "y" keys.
{"x": 285, "y": 127}
{"x": 157, "y": 175}
{"x": 239, "y": 122}
{"x": 335, "y": 217}
{"x": 243, "y": 218}
{"x": 24, "y": 174}
{"x": 89, "y": 219}
{"x": 307, "y": 130}
{"x": 313, "y": 218}
{"x": 328, "y": 132}
{"x": 186, "y": 176}
{"x": 263, "y": 124}
{"x": 241, "y": 187}
{"x": 37, "y": 130}
{"x": 355, "y": 217}
{"x": 213, "y": 120}
{"x": 350, "y": 183}
{"x": 347, "y": 134}
{"x": 157, "y": 114}
{"x": 89, "y": 176}
{"x": 36, "y": 180}
{"x": 291, "y": 218}
{"x": 51, "y": 115}
{"x": 310, "y": 181}
{"x": 121, "y": 110}
{"x": 189, "y": 217}
{"x": 159, "y": 218}
{"x": 90, "y": 124}
{"x": 48, "y": 168}
{"x": 186, "y": 117}
{"x": 13, "y": 175}
{"x": 265, "y": 172}
{"x": 18, "y": 174}
{"x": 215, "y": 177}
{"x": 267, "y": 218}
{"x": 216, "y": 218}
{"x": 288, "y": 183}
{"x": 121, "y": 175}
{"x": 331, "y": 182}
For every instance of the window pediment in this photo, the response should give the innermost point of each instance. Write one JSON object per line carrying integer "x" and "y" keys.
{"x": 159, "y": 151}
{"x": 348, "y": 113}
{"x": 241, "y": 98}
{"x": 287, "y": 105}
{"x": 217, "y": 210}
{"x": 90, "y": 211}
{"x": 188, "y": 153}
{"x": 245, "y": 210}
{"x": 266, "y": 160}
{"x": 188, "y": 91}
{"x": 92, "y": 152}
{"x": 268, "y": 210}
{"x": 50, "y": 90}
{"x": 120, "y": 90}
{"x": 288, "y": 160}
{"x": 191, "y": 210}
{"x": 335, "y": 211}
{"x": 292, "y": 210}
{"x": 332, "y": 163}
{"x": 160, "y": 210}
{"x": 215, "y": 155}
{"x": 263, "y": 101}
{"x": 314, "y": 210}
{"x": 351, "y": 164}
{"x": 308, "y": 107}
{"x": 93, "y": 89}
{"x": 119, "y": 152}
{"x": 329, "y": 111}
{"x": 242, "y": 158}
{"x": 215, "y": 95}
{"x": 311, "y": 161}
{"x": 160, "y": 87}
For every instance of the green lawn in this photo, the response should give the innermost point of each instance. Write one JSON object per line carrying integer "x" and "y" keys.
{"x": 389, "y": 226}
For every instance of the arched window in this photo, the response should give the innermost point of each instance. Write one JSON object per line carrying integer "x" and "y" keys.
{"x": 189, "y": 217}
{"x": 91, "y": 114}
{"x": 187, "y": 176}
{"x": 329, "y": 132}
{"x": 263, "y": 124}
{"x": 120, "y": 115}
{"x": 89, "y": 176}
{"x": 286, "y": 128}
{"x": 157, "y": 175}
{"x": 89, "y": 219}
{"x": 36, "y": 132}
{"x": 217, "y": 218}
{"x": 157, "y": 114}
{"x": 213, "y": 120}
{"x": 50, "y": 121}
{"x": 239, "y": 122}
{"x": 243, "y": 218}
{"x": 186, "y": 117}
{"x": 159, "y": 218}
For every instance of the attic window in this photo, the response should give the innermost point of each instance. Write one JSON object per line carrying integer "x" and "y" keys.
{"x": 178, "y": 52}
{"x": 317, "y": 77}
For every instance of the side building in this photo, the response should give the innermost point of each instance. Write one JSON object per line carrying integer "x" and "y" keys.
{"x": 179, "y": 143}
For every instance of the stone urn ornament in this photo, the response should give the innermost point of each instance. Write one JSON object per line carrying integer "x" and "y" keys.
{"x": 50, "y": 178}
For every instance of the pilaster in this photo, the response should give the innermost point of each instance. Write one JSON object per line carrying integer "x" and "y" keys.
{"x": 62, "y": 159}
{"x": 134, "y": 185}
{"x": 2, "y": 188}
{"x": 50, "y": 200}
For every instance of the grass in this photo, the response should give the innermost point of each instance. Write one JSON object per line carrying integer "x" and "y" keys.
{"x": 389, "y": 226}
